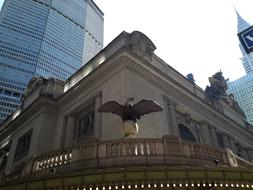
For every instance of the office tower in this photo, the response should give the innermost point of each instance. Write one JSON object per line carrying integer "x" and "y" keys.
{"x": 242, "y": 88}
{"x": 247, "y": 59}
{"x": 49, "y": 38}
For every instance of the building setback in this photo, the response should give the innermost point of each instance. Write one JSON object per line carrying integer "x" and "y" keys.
{"x": 242, "y": 88}
{"x": 49, "y": 38}
{"x": 59, "y": 139}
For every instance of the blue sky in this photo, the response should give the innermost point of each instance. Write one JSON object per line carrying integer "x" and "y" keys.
{"x": 197, "y": 36}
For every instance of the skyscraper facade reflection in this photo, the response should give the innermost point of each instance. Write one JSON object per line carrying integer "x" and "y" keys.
{"x": 49, "y": 38}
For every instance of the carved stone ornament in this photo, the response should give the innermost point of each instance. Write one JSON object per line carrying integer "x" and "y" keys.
{"x": 34, "y": 82}
{"x": 229, "y": 100}
{"x": 217, "y": 88}
{"x": 217, "y": 92}
{"x": 141, "y": 45}
{"x": 184, "y": 118}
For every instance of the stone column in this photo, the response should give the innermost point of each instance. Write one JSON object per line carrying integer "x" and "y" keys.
{"x": 232, "y": 144}
{"x": 59, "y": 132}
{"x": 205, "y": 132}
{"x": 197, "y": 133}
{"x": 97, "y": 117}
{"x": 69, "y": 131}
{"x": 237, "y": 147}
{"x": 250, "y": 154}
{"x": 10, "y": 160}
{"x": 167, "y": 115}
{"x": 173, "y": 119}
{"x": 244, "y": 153}
{"x": 225, "y": 140}
{"x": 214, "y": 136}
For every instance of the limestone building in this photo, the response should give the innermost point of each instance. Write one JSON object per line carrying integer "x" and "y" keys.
{"x": 58, "y": 139}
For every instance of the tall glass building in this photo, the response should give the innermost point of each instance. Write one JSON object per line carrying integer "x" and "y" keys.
{"x": 242, "y": 88}
{"x": 49, "y": 38}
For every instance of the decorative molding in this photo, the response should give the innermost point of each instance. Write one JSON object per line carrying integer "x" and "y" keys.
{"x": 184, "y": 118}
{"x": 34, "y": 83}
{"x": 204, "y": 123}
{"x": 141, "y": 45}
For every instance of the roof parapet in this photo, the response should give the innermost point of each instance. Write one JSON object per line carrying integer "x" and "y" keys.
{"x": 41, "y": 86}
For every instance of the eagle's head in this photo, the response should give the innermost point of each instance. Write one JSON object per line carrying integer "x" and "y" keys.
{"x": 129, "y": 102}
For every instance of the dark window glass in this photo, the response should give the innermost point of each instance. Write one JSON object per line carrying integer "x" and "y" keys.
{"x": 85, "y": 128}
{"x": 23, "y": 145}
{"x": 7, "y": 92}
{"x": 16, "y": 95}
{"x": 220, "y": 141}
{"x": 185, "y": 133}
{"x": 85, "y": 123}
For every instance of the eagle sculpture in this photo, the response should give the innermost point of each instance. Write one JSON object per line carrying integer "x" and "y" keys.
{"x": 130, "y": 112}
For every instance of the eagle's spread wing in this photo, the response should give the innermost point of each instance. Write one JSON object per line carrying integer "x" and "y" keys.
{"x": 111, "y": 107}
{"x": 145, "y": 107}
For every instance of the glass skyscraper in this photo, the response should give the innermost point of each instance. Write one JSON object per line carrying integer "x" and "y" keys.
{"x": 242, "y": 88}
{"x": 49, "y": 38}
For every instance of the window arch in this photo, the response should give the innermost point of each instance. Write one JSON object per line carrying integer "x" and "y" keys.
{"x": 185, "y": 133}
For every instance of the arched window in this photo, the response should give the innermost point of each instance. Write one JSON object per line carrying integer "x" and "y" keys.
{"x": 185, "y": 133}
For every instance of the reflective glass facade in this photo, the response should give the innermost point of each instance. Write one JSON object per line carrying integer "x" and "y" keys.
{"x": 243, "y": 91}
{"x": 49, "y": 38}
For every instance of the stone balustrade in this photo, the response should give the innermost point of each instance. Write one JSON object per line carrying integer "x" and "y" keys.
{"x": 169, "y": 151}
{"x": 52, "y": 160}
{"x": 131, "y": 148}
{"x": 207, "y": 154}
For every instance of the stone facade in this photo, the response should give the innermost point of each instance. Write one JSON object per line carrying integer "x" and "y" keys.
{"x": 59, "y": 116}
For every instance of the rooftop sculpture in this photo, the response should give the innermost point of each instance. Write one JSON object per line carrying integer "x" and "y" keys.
{"x": 218, "y": 91}
{"x": 217, "y": 88}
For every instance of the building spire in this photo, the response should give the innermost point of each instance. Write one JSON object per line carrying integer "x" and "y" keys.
{"x": 241, "y": 23}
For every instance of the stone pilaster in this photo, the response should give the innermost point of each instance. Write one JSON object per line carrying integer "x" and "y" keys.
{"x": 225, "y": 140}
{"x": 167, "y": 115}
{"x": 214, "y": 136}
{"x": 205, "y": 132}
{"x": 69, "y": 131}
{"x": 250, "y": 154}
{"x": 232, "y": 144}
{"x": 172, "y": 118}
{"x": 97, "y": 117}
{"x": 10, "y": 160}
{"x": 244, "y": 153}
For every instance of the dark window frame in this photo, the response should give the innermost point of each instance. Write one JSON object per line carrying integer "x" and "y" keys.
{"x": 23, "y": 145}
{"x": 185, "y": 133}
{"x": 84, "y": 127}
